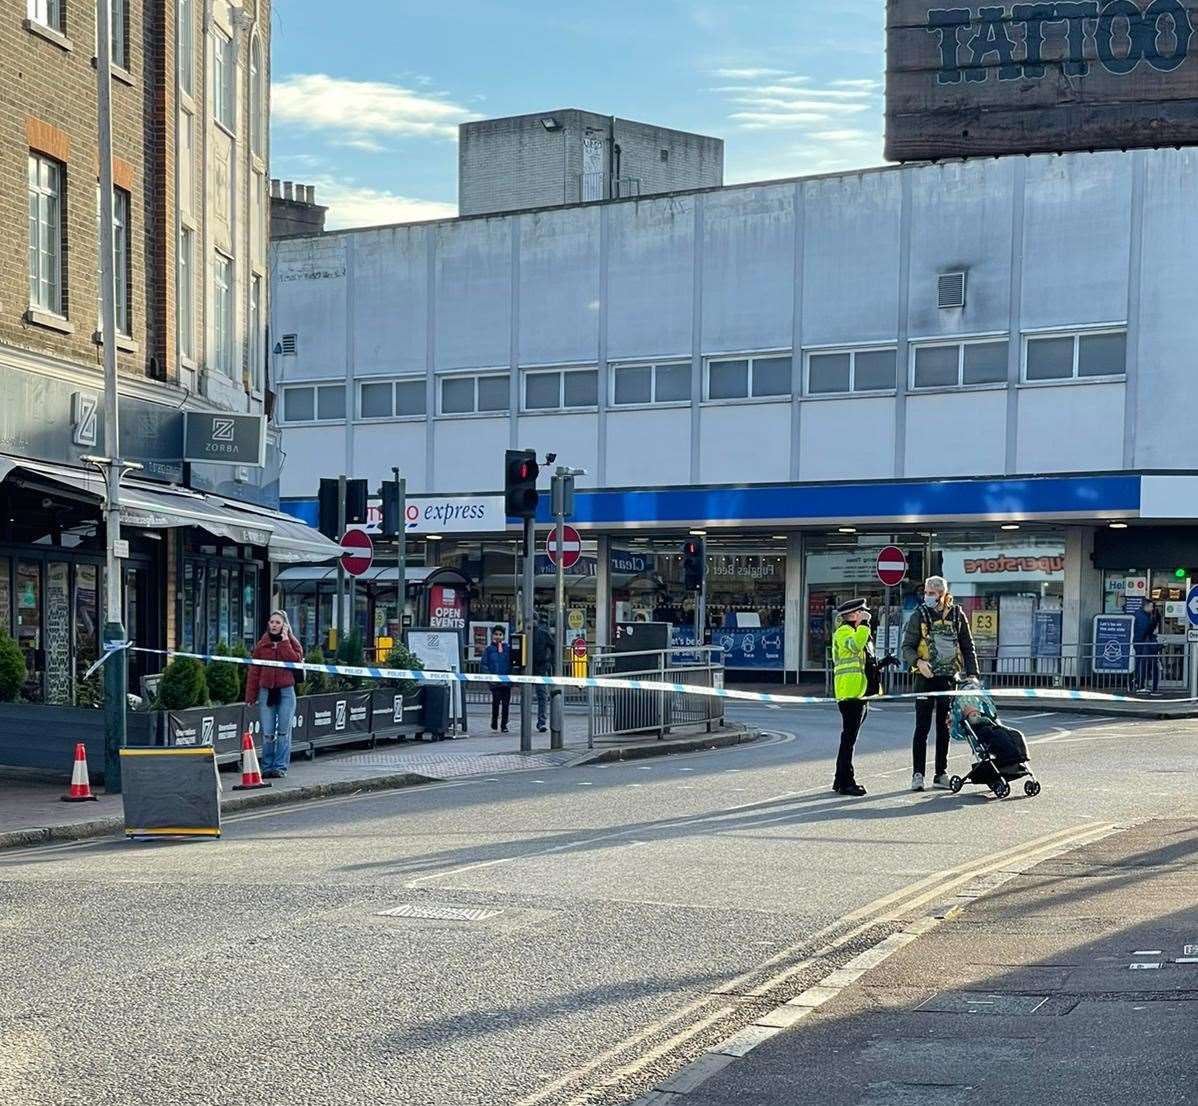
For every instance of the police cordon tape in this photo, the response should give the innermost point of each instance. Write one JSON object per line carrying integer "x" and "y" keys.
{"x": 611, "y": 682}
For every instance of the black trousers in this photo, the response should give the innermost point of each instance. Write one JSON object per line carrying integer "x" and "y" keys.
{"x": 501, "y": 697}
{"x": 852, "y": 714}
{"x": 925, "y": 711}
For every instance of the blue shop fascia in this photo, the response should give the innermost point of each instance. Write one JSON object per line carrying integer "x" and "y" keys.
{"x": 1031, "y": 559}
{"x": 202, "y": 537}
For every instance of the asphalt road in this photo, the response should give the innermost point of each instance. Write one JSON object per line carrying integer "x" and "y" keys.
{"x": 627, "y": 916}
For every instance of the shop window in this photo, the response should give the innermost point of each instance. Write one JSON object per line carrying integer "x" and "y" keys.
{"x": 468, "y": 395}
{"x": 842, "y": 371}
{"x": 6, "y": 595}
{"x": 958, "y": 364}
{"x": 1075, "y": 356}
{"x": 551, "y": 391}
{"x": 749, "y": 378}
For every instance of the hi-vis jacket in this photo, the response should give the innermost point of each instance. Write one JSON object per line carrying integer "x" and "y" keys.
{"x": 850, "y": 645}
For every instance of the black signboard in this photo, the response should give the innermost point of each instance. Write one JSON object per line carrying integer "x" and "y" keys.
{"x": 222, "y": 438}
{"x": 639, "y": 649}
{"x": 220, "y": 727}
{"x": 392, "y": 713}
{"x": 334, "y": 719}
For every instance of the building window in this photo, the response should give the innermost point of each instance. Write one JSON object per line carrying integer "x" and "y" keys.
{"x": 183, "y": 297}
{"x": 551, "y": 391}
{"x": 959, "y": 364}
{"x": 222, "y": 314}
{"x": 1075, "y": 356}
{"x": 638, "y": 384}
{"x": 468, "y": 395}
{"x": 257, "y": 103}
{"x": 118, "y": 45}
{"x": 46, "y": 12}
{"x": 851, "y": 370}
{"x": 187, "y": 61}
{"x": 749, "y": 377}
{"x": 45, "y": 234}
{"x": 120, "y": 262}
{"x": 255, "y": 338}
{"x": 386, "y": 399}
{"x": 314, "y": 403}
{"x": 224, "y": 91}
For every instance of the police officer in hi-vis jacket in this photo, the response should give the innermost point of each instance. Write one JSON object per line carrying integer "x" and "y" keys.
{"x": 852, "y": 653}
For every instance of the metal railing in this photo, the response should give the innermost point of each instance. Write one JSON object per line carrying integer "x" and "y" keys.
{"x": 613, "y": 712}
{"x": 1163, "y": 669}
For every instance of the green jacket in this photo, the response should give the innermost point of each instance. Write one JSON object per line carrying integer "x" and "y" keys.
{"x": 849, "y": 648}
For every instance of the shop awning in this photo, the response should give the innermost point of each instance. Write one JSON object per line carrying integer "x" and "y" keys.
{"x": 157, "y": 507}
{"x": 376, "y": 574}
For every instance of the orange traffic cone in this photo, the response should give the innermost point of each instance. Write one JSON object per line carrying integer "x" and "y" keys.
{"x": 251, "y": 775}
{"x": 81, "y": 788}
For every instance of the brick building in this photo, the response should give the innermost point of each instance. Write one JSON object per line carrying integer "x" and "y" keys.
{"x": 190, "y": 149}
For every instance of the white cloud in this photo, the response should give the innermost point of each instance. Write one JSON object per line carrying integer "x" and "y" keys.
{"x": 351, "y": 205}
{"x": 316, "y": 101}
{"x": 749, "y": 74}
{"x": 842, "y": 136}
{"x": 780, "y": 101}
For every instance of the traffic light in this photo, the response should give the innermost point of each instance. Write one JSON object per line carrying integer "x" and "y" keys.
{"x": 392, "y": 524}
{"x": 355, "y": 505}
{"x": 693, "y": 564}
{"x": 520, "y": 472}
{"x": 1181, "y": 573}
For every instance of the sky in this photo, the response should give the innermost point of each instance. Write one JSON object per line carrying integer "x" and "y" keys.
{"x": 367, "y": 108}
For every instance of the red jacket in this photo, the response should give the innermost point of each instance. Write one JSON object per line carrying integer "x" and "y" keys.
{"x": 266, "y": 650}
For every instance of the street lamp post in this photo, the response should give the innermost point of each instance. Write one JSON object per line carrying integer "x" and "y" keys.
{"x": 563, "y": 505}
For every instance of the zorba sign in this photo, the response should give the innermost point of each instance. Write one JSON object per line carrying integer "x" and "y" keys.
{"x": 1039, "y": 77}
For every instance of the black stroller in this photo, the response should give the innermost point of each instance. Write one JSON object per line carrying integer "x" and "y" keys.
{"x": 999, "y": 752}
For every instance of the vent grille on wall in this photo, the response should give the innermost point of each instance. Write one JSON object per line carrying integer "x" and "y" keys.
{"x": 288, "y": 344}
{"x": 950, "y": 290}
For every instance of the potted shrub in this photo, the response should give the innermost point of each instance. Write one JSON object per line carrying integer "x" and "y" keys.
{"x": 351, "y": 652}
{"x": 183, "y": 685}
{"x": 314, "y": 682}
{"x": 402, "y": 657}
{"x": 222, "y": 679}
{"x": 243, "y": 670}
{"x": 12, "y": 669}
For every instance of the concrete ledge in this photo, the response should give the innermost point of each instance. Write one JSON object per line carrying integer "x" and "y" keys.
{"x": 1156, "y": 710}
{"x": 721, "y": 740}
{"x": 104, "y": 827}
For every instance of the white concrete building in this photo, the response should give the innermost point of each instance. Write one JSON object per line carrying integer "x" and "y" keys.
{"x": 921, "y": 354}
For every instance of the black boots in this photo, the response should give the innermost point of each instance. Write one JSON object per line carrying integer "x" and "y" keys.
{"x": 852, "y": 787}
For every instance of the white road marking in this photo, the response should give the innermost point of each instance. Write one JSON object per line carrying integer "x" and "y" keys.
{"x": 1147, "y": 952}
{"x": 1146, "y": 964}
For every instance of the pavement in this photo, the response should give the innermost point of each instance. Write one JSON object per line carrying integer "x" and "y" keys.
{"x": 31, "y": 807}
{"x": 1075, "y": 981}
{"x": 570, "y": 937}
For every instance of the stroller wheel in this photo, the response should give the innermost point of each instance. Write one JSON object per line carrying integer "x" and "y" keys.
{"x": 1002, "y": 789}
{"x": 955, "y": 784}
{"x": 1031, "y": 788}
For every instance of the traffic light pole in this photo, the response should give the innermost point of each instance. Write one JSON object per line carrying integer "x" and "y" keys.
{"x": 530, "y": 616}
{"x": 339, "y": 616}
{"x": 559, "y": 610}
{"x": 401, "y": 551}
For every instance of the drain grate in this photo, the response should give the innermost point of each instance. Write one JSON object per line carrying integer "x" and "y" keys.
{"x": 435, "y": 913}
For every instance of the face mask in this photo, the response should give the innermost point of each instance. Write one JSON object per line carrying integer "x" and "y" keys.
{"x": 932, "y": 601}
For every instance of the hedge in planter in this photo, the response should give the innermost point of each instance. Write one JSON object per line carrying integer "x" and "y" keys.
{"x": 402, "y": 657}
{"x": 12, "y": 669}
{"x": 221, "y": 677}
{"x": 314, "y": 683}
{"x": 243, "y": 670}
{"x": 350, "y": 652}
{"x": 183, "y": 685}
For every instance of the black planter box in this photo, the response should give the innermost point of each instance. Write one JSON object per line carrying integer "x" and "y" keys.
{"x": 221, "y": 727}
{"x": 395, "y": 715}
{"x": 42, "y": 738}
{"x": 337, "y": 719}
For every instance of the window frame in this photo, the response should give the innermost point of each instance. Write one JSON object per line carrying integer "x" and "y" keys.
{"x": 118, "y": 38}
{"x": 475, "y": 376}
{"x": 185, "y": 293}
{"x": 122, "y": 205}
{"x": 314, "y": 387}
{"x": 653, "y": 367}
{"x": 185, "y": 46}
{"x": 1076, "y": 334}
{"x": 752, "y": 359}
{"x": 394, "y": 382}
{"x": 224, "y": 82}
{"x": 48, "y": 196}
{"x": 960, "y": 343}
{"x": 257, "y": 101}
{"x": 222, "y": 313}
{"x": 560, "y": 371}
{"x": 852, "y": 351}
{"x": 255, "y": 351}
{"x": 47, "y": 13}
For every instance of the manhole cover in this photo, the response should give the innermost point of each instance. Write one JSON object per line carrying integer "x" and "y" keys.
{"x": 439, "y": 913}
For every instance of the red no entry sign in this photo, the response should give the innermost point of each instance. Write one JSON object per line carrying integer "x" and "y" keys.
{"x": 579, "y": 648}
{"x": 571, "y": 546}
{"x": 357, "y": 552}
{"x": 892, "y": 566}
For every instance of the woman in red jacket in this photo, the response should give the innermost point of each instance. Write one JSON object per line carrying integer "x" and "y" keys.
{"x": 273, "y": 689}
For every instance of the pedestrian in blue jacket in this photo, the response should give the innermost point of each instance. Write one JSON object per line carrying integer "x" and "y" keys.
{"x": 497, "y": 659}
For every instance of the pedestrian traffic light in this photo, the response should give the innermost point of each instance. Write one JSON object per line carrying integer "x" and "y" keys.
{"x": 520, "y": 483}
{"x": 327, "y": 523}
{"x": 693, "y": 563}
{"x": 1181, "y": 573}
{"x": 392, "y": 523}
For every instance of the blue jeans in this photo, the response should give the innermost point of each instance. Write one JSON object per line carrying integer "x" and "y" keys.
{"x": 276, "y": 730}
